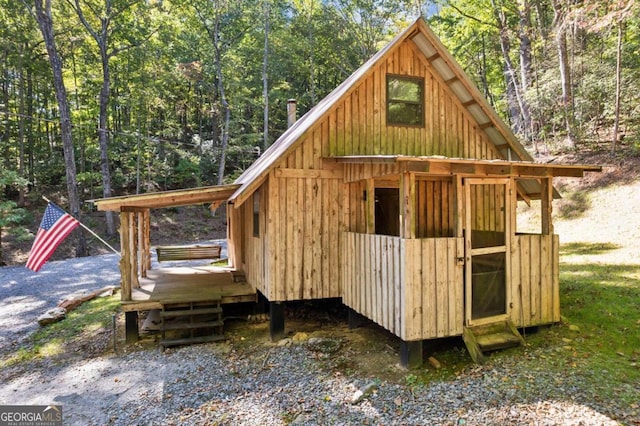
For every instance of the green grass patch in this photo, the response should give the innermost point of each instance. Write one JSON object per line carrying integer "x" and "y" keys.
{"x": 54, "y": 340}
{"x": 587, "y": 248}
{"x": 596, "y": 347}
{"x": 599, "y": 339}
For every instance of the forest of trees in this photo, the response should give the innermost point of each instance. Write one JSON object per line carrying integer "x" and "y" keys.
{"x": 107, "y": 97}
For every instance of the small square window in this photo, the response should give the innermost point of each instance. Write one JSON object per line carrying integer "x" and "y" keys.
{"x": 256, "y": 213}
{"x": 405, "y": 101}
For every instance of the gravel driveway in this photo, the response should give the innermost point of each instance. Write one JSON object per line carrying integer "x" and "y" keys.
{"x": 25, "y": 295}
{"x": 271, "y": 385}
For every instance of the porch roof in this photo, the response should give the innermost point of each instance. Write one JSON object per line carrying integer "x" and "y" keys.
{"x": 449, "y": 166}
{"x": 528, "y": 188}
{"x": 215, "y": 195}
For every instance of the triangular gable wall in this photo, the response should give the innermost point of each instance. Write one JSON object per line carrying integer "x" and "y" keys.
{"x": 352, "y": 119}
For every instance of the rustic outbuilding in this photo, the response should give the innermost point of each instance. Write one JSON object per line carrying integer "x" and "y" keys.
{"x": 396, "y": 193}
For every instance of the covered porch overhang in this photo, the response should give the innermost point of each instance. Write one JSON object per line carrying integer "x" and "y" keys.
{"x": 420, "y": 284}
{"x": 531, "y": 181}
{"x": 135, "y": 254}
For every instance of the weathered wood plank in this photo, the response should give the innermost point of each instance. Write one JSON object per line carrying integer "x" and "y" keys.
{"x": 429, "y": 289}
{"x": 442, "y": 291}
{"x": 546, "y": 283}
{"x": 536, "y": 281}
{"x": 555, "y": 274}
{"x": 515, "y": 282}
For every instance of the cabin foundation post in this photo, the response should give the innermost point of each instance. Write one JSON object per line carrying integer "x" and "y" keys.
{"x": 276, "y": 320}
{"x": 355, "y": 319}
{"x": 131, "y": 326}
{"x": 411, "y": 354}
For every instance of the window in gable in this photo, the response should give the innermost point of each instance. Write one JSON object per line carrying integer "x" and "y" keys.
{"x": 256, "y": 213}
{"x": 405, "y": 101}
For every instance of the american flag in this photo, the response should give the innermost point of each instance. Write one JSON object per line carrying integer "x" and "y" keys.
{"x": 54, "y": 228}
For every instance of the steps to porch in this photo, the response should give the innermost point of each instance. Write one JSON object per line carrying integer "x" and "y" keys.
{"x": 184, "y": 323}
{"x": 490, "y": 337}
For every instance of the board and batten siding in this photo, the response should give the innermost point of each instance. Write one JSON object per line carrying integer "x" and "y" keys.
{"x": 535, "y": 286}
{"x": 357, "y": 124}
{"x": 254, "y": 248}
{"x": 411, "y": 287}
{"x": 302, "y": 224}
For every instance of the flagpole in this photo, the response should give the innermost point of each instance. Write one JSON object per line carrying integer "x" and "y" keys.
{"x": 92, "y": 233}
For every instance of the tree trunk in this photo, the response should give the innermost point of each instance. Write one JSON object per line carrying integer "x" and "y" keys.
{"x": 515, "y": 100}
{"x": 103, "y": 134}
{"x": 616, "y": 121}
{"x": 21, "y": 132}
{"x": 565, "y": 71}
{"x": 265, "y": 81}
{"x": 45, "y": 23}
{"x": 102, "y": 40}
{"x": 223, "y": 101}
{"x": 524, "y": 29}
{"x": 6, "y": 135}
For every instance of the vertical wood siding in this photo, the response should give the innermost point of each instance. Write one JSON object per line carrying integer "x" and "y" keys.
{"x": 299, "y": 255}
{"x": 302, "y": 226}
{"x": 357, "y": 124}
{"x": 435, "y": 208}
{"x": 254, "y": 248}
{"x": 411, "y": 287}
{"x": 535, "y": 287}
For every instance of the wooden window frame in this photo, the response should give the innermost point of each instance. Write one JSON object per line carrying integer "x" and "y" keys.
{"x": 421, "y": 102}
{"x": 256, "y": 213}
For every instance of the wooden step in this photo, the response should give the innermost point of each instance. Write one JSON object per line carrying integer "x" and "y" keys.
{"x": 187, "y": 312}
{"x": 494, "y": 342}
{"x": 191, "y": 325}
{"x": 189, "y": 340}
{"x": 195, "y": 322}
{"x": 490, "y": 337}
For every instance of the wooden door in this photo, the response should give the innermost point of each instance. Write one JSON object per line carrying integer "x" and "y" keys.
{"x": 487, "y": 248}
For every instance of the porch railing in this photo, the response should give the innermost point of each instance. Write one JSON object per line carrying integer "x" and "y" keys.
{"x": 411, "y": 287}
{"x": 535, "y": 286}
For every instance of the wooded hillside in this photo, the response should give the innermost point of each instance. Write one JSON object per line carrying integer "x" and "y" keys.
{"x": 105, "y": 97}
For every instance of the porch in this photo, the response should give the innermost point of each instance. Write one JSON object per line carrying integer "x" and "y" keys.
{"x": 188, "y": 283}
{"x": 415, "y": 288}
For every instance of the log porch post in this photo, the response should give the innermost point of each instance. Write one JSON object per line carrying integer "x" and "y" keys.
{"x": 407, "y": 205}
{"x": 125, "y": 265}
{"x": 547, "y": 205}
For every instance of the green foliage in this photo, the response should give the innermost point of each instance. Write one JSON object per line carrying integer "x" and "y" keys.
{"x": 11, "y": 216}
{"x": 165, "y": 115}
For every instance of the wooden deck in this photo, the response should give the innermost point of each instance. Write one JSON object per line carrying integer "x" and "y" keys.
{"x": 188, "y": 284}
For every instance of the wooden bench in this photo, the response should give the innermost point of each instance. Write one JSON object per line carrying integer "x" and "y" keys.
{"x": 167, "y": 253}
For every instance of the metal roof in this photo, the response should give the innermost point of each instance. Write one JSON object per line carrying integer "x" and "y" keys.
{"x": 183, "y": 197}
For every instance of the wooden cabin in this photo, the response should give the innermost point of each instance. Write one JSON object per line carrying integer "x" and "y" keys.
{"x": 397, "y": 193}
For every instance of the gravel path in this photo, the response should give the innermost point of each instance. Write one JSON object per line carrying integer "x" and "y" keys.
{"x": 270, "y": 385}
{"x": 211, "y": 385}
{"x": 25, "y": 295}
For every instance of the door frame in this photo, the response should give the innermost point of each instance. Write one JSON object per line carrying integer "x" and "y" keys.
{"x": 470, "y": 252}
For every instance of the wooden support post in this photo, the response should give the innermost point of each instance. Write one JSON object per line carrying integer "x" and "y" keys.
{"x": 546, "y": 205}
{"x": 355, "y": 319}
{"x": 370, "y": 206}
{"x": 408, "y": 205}
{"x": 411, "y": 354}
{"x": 131, "y": 326}
{"x": 459, "y": 206}
{"x": 125, "y": 266}
{"x": 276, "y": 320}
{"x": 133, "y": 249}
